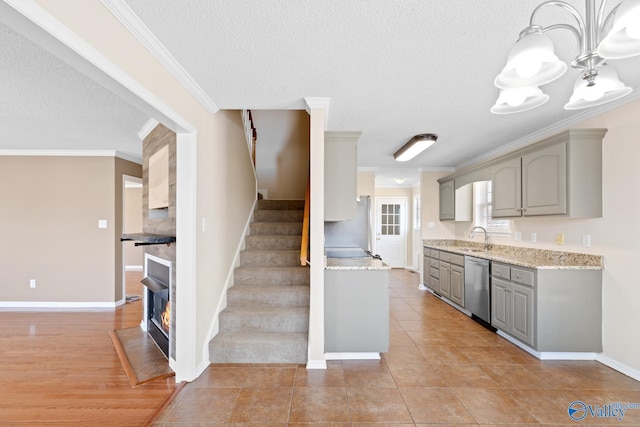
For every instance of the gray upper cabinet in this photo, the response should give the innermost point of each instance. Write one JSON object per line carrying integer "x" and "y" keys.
{"x": 340, "y": 175}
{"x": 506, "y": 188}
{"x": 447, "y": 201}
{"x": 544, "y": 181}
{"x": 559, "y": 176}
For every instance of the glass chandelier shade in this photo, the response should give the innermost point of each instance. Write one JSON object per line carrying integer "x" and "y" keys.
{"x": 518, "y": 100}
{"x": 531, "y": 62}
{"x": 623, "y": 40}
{"x": 606, "y": 88}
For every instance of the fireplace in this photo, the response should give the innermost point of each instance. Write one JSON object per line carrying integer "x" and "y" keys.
{"x": 157, "y": 308}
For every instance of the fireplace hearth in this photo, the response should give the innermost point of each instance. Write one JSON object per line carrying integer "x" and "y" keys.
{"x": 157, "y": 313}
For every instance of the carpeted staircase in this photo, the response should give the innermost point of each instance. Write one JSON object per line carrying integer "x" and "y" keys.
{"x": 267, "y": 314}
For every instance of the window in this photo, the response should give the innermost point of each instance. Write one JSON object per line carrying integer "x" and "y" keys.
{"x": 482, "y": 211}
{"x": 390, "y": 223}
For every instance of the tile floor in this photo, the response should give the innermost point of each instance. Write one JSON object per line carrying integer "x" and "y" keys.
{"x": 442, "y": 369}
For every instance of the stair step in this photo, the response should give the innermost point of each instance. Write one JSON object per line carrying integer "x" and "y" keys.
{"x": 265, "y": 319}
{"x": 271, "y": 204}
{"x": 258, "y": 347}
{"x": 268, "y": 295}
{"x": 273, "y": 242}
{"x": 276, "y": 228}
{"x": 271, "y": 276}
{"x": 269, "y": 258}
{"x": 278, "y": 215}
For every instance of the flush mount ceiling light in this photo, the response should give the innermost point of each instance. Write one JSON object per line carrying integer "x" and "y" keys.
{"x": 532, "y": 61}
{"x": 415, "y": 146}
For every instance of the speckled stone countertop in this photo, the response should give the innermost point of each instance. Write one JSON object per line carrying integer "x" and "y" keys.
{"x": 355, "y": 264}
{"x": 524, "y": 257}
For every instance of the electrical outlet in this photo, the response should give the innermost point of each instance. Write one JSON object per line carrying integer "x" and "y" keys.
{"x": 102, "y": 223}
{"x": 559, "y": 239}
{"x": 586, "y": 240}
{"x": 32, "y": 283}
{"x": 534, "y": 237}
{"x": 431, "y": 224}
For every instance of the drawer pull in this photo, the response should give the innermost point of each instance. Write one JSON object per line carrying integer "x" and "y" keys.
{"x": 518, "y": 276}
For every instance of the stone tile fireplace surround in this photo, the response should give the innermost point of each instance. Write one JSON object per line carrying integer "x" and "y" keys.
{"x": 162, "y": 221}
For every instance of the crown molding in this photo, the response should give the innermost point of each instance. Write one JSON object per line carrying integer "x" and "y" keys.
{"x": 549, "y": 131}
{"x": 147, "y": 128}
{"x": 318, "y": 103}
{"x": 134, "y": 24}
{"x": 69, "y": 153}
{"x": 46, "y": 30}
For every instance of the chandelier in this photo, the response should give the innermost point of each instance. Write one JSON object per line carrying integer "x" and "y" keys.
{"x": 532, "y": 61}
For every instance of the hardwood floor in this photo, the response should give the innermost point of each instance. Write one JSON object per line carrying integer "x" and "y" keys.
{"x": 59, "y": 367}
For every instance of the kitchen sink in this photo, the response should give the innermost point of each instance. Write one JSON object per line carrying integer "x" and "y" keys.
{"x": 470, "y": 250}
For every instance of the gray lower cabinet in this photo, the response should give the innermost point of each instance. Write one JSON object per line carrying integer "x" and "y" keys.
{"x": 426, "y": 266}
{"x": 356, "y": 313}
{"x": 457, "y": 285}
{"x": 446, "y": 274}
{"x": 550, "y": 310}
{"x": 512, "y": 307}
{"x": 445, "y": 280}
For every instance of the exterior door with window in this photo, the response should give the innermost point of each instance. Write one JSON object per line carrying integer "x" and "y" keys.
{"x": 391, "y": 230}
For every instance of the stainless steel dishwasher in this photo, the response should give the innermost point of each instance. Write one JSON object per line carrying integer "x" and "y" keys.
{"x": 477, "y": 290}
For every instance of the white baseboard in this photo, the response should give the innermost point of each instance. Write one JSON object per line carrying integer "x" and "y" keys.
{"x": 620, "y": 367}
{"x": 352, "y": 356}
{"x": 133, "y": 268}
{"x": 317, "y": 364}
{"x": 56, "y": 305}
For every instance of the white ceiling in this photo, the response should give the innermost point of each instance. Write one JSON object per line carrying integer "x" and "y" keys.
{"x": 392, "y": 69}
{"x": 47, "y": 105}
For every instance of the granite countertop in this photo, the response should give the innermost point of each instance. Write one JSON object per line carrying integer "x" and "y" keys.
{"x": 355, "y": 264}
{"x": 524, "y": 257}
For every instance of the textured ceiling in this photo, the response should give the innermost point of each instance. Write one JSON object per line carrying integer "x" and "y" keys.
{"x": 47, "y": 105}
{"x": 392, "y": 69}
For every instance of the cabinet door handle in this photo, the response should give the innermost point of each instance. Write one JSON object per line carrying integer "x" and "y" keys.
{"x": 518, "y": 276}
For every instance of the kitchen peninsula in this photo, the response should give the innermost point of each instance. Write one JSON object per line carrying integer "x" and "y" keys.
{"x": 356, "y": 308}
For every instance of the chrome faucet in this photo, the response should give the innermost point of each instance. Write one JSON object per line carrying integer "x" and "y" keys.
{"x": 487, "y": 245}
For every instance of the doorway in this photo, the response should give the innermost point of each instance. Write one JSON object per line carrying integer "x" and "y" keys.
{"x": 391, "y": 230}
{"x": 132, "y": 220}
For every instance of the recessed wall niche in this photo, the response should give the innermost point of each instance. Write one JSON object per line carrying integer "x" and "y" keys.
{"x": 159, "y": 184}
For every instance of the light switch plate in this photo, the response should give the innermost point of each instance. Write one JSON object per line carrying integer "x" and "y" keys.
{"x": 534, "y": 237}
{"x": 560, "y": 239}
{"x": 102, "y": 223}
{"x": 517, "y": 236}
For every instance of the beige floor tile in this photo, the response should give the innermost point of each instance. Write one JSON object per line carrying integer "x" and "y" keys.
{"x": 367, "y": 373}
{"x": 262, "y": 405}
{"x": 466, "y": 376}
{"x": 271, "y": 377}
{"x": 377, "y": 405}
{"x": 216, "y": 376}
{"x": 326, "y": 404}
{"x": 201, "y": 404}
{"x": 491, "y": 405}
{"x": 435, "y": 405}
{"x": 333, "y": 376}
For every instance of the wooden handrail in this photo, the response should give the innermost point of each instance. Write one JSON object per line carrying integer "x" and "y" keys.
{"x": 304, "y": 246}
{"x": 250, "y": 132}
